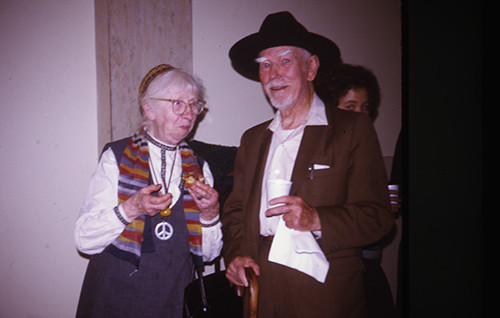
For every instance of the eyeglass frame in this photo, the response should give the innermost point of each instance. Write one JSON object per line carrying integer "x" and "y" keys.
{"x": 182, "y": 102}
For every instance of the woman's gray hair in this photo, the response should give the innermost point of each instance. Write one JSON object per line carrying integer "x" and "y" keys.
{"x": 172, "y": 82}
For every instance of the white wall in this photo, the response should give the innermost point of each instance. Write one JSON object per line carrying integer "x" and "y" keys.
{"x": 367, "y": 32}
{"x": 48, "y": 151}
{"x": 48, "y": 135}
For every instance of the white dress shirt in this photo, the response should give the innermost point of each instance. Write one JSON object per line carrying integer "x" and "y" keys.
{"x": 282, "y": 154}
{"x": 97, "y": 225}
{"x": 291, "y": 248}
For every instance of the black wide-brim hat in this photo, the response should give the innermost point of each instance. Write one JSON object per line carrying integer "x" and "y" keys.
{"x": 281, "y": 29}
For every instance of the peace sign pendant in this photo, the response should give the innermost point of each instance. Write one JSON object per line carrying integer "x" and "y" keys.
{"x": 164, "y": 231}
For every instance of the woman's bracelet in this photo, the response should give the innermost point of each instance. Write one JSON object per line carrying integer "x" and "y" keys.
{"x": 211, "y": 224}
{"x": 119, "y": 216}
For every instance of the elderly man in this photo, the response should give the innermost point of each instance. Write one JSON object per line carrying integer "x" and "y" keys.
{"x": 306, "y": 248}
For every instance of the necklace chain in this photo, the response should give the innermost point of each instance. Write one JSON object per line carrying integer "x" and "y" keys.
{"x": 166, "y": 185}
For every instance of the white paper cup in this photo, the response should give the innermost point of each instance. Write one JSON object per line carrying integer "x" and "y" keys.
{"x": 277, "y": 188}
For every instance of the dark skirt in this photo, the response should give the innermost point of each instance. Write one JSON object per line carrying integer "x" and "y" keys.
{"x": 114, "y": 288}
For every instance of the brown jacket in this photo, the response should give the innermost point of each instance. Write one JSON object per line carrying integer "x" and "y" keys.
{"x": 351, "y": 196}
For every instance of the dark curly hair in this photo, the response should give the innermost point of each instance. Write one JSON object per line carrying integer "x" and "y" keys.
{"x": 333, "y": 84}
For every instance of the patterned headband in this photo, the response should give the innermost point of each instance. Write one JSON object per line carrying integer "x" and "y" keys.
{"x": 151, "y": 75}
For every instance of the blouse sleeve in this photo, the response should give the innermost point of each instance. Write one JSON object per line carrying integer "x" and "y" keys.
{"x": 212, "y": 229}
{"x": 97, "y": 225}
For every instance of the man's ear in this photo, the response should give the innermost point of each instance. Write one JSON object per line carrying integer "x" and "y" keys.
{"x": 312, "y": 67}
{"x": 147, "y": 109}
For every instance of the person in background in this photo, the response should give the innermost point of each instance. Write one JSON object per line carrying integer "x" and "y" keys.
{"x": 399, "y": 178}
{"x": 143, "y": 223}
{"x": 355, "y": 88}
{"x": 307, "y": 250}
{"x": 350, "y": 87}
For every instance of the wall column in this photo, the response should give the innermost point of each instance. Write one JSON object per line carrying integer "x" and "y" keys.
{"x": 131, "y": 38}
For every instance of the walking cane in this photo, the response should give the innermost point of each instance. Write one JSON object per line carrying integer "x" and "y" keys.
{"x": 253, "y": 288}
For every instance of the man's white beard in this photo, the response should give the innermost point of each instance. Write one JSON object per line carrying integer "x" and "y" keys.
{"x": 284, "y": 101}
{"x": 283, "y": 104}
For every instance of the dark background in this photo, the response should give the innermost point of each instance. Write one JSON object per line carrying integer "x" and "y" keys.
{"x": 443, "y": 130}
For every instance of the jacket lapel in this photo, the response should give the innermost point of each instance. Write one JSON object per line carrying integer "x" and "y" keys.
{"x": 314, "y": 148}
{"x": 261, "y": 151}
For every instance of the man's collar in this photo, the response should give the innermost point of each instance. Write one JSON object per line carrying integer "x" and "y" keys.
{"x": 316, "y": 116}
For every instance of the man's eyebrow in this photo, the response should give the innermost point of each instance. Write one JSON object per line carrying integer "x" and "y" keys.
{"x": 285, "y": 53}
{"x": 263, "y": 58}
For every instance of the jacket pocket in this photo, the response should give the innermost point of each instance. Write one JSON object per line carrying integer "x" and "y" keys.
{"x": 322, "y": 188}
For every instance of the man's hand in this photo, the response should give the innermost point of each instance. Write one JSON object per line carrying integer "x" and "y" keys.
{"x": 297, "y": 214}
{"x": 235, "y": 272}
{"x": 143, "y": 202}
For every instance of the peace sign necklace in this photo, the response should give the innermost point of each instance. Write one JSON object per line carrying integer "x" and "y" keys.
{"x": 164, "y": 230}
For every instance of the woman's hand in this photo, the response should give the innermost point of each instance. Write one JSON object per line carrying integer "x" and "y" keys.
{"x": 143, "y": 202}
{"x": 206, "y": 198}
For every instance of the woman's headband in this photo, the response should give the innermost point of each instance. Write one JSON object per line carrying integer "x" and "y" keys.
{"x": 151, "y": 75}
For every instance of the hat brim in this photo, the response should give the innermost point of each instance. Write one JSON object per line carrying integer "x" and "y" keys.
{"x": 244, "y": 52}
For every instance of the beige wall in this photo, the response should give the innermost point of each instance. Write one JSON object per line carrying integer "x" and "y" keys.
{"x": 48, "y": 150}
{"x": 48, "y": 147}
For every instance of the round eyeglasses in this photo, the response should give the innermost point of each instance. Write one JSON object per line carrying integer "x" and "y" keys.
{"x": 179, "y": 106}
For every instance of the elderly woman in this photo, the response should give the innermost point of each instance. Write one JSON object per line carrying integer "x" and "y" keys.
{"x": 141, "y": 224}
